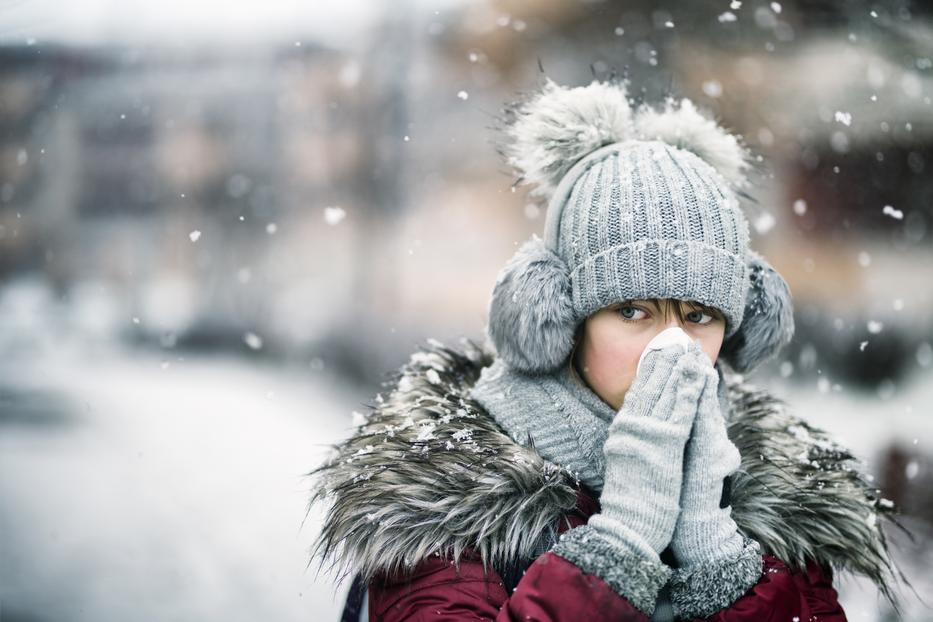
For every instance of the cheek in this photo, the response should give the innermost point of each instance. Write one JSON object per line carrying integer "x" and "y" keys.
{"x": 611, "y": 364}
{"x": 711, "y": 343}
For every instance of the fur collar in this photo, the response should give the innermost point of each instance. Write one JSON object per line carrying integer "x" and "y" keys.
{"x": 430, "y": 473}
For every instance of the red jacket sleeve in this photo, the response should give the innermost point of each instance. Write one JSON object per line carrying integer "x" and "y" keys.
{"x": 552, "y": 590}
{"x": 807, "y": 596}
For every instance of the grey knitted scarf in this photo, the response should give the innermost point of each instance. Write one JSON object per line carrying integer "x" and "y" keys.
{"x": 564, "y": 419}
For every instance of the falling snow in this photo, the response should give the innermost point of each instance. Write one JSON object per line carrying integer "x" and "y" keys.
{"x": 253, "y": 340}
{"x": 764, "y": 223}
{"x": 924, "y": 354}
{"x": 712, "y": 88}
{"x": 889, "y": 210}
{"x": 333, "y": 215}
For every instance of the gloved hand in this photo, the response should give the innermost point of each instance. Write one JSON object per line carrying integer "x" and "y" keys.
{"x": 717, "y": 564}
{"x": 644, "y": 469}
{"x": 644, "y": 452}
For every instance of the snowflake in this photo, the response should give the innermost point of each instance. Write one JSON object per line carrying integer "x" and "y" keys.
{"x": 463, "y": 435}
{"x": 426, "y": 433}
{"x": 405, "y": 384}
{"x": 896, "y": 214}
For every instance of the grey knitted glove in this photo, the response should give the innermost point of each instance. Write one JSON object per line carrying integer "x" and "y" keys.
{"x": 717, "y": 564}
{"x": 644, "y": 469}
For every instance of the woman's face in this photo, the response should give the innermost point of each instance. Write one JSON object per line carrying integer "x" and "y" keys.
{"x": 612, "y": 340}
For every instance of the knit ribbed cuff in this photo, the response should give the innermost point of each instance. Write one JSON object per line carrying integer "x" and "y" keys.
{"x": 701, "y": 590}
{"x": 628, "y": 574}
{"x": 682, "y": 269}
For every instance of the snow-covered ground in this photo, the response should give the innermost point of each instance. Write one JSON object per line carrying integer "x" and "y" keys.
{"x": 135, "y": 490}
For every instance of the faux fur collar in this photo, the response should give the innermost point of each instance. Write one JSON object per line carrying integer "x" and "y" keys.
{"x": 430, "y": 473}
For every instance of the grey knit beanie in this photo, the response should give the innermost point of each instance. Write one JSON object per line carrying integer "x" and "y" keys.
{"x": 641, "y": 204}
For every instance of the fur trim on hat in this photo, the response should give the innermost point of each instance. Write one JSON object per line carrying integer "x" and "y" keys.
{"x": 543, "y": 136}
{"x": 768, "y": 319}
{"x": 683, "y": 126}
{"x": 531, "y": 319}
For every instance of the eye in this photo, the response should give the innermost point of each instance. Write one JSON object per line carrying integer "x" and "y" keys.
{"x": 628, "y": 313}
{"x": 700, "y": 317}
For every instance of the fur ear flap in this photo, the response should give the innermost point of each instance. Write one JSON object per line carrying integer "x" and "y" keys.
{"x": 531, "y": 319}
{"x": 768, "y": 319}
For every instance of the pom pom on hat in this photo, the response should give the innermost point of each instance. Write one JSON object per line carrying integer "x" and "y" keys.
{"x": 543, "y": 136}
{"x": 546, "y": 134}
{"x": 684, "y": 127}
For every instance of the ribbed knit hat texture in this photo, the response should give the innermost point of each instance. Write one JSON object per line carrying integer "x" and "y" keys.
{"x": 648, "y": 220}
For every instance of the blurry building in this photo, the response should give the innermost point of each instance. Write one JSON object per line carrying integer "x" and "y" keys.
{"x": 187, "y": 191}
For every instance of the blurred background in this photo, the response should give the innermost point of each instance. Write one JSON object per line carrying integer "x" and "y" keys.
{"x": 223, "y": 224}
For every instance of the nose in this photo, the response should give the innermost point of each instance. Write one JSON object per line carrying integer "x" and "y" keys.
{"x": 672, "y": 321}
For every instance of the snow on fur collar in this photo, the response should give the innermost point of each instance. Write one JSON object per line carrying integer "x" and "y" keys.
{"x": 431, "y": 473}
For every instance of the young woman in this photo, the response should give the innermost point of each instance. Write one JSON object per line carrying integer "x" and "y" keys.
{"x": 600, "y": 458}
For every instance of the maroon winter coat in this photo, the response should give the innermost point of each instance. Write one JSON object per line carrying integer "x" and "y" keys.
{"x": 430, "y": 477}
{"x": 555, "y": 590}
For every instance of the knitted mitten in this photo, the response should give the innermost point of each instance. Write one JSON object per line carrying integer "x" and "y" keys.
{"x": 644, "y": 469}
{"x": 717, "y": 565}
